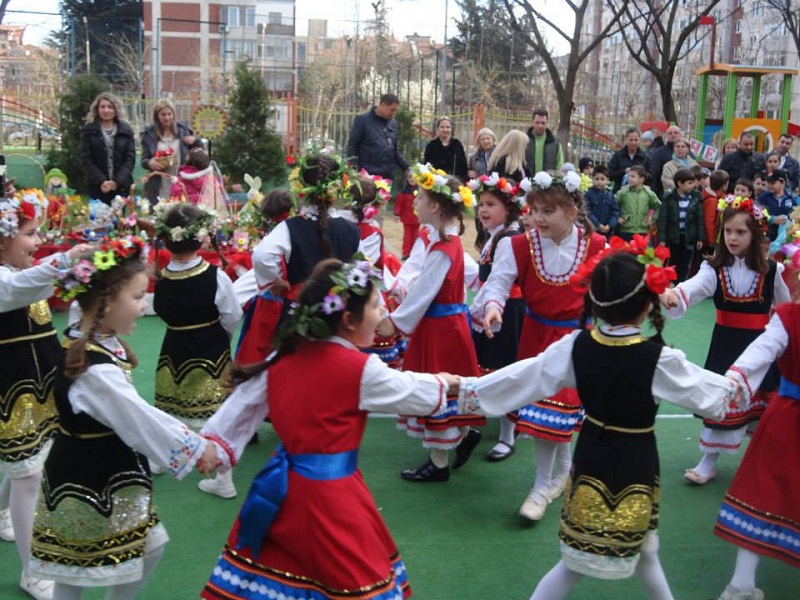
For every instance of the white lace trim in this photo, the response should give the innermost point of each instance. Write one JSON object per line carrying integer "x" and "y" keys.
{"x": 538, "y": 259}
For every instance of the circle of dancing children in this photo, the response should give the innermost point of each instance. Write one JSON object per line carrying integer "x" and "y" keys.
{"x": 309, "y": 526}
{"x": 745, "y": 285}
{"x": 29, "y": 353}
{"x": 611, "y": 504}
{"x": 290, "y": 251}
{"x": 760, "y": 511}
{"x": 542, "y": 261}
{"x": 95, "y": 525}
{"x": 500, "y": 203}
{"x": 435, "y": 317}
{"x": 197, "y": 302}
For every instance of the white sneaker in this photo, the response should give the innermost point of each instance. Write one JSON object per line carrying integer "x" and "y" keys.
{"x": 729, "y": 594}
{"x": 6, "y": 527}
{"x": 41, "y": 589}
{"x": 557, "y": 489}
{"x": 213, "y": 486}
{"x": 534, "y": 506}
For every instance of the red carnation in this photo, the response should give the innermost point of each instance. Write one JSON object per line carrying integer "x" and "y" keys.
{"x": 657, "y": 278}
{"x": 28, "y": 211}
{"x": 291, "y": 160}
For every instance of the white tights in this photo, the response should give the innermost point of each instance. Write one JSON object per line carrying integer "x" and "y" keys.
{"x": 553, "y": 462}
{"x": 560, "y": 580}
{"x": 744, "y": 575}
{"x": 125, "y": 591}
{"x": 19, "y": 496}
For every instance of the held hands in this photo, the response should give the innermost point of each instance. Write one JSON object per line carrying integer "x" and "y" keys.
{"x": 492, "y": 321}
{"x": 386, "y": 328}
{"x": 669, "y": 299}
{"x": 453, "y": 383}
{"x": 208, "y": 461}
{"x": 80, "y": 251}
{"x": 108, "y": 186}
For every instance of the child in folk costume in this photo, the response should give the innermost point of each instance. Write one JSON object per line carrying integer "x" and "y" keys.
{"x": 203, "y": 186}
{"x": 95, "y": 525}
{"x": 760, "y": 511}
{"x": 404, "y": 210}
{"x": 262, "y": 311}
{"x": 309, "y": 527}
{"x": 196, "y": 301}
{"x": 434, "y": 316}
{"x": 745, "y": 285}
{"x": 542, "y": 261}
{"x": 500, "y": 202}
{"x": 611, "y": 504}
{"x": 296, "y": 245}
{"x": 29, "y": 353}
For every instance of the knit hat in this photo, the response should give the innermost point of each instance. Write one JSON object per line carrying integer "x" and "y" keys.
{"x": 648, "y": 135}
{"x": 585, "y": 162}
{"x": 567, "y": 167}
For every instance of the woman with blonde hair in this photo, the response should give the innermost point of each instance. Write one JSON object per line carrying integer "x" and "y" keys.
{"x": 172, "y": 138}
{"x": 479, "y": 161}
{"x": 508, "y": 158}
{"x": 108, "y": 148}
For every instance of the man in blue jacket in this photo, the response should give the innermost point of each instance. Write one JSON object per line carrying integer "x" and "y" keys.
{"x": 373, "y": 139}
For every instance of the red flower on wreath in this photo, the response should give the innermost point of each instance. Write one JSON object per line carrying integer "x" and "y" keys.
{"x": 291, "y": 160}
{"x": 28, "y": 211}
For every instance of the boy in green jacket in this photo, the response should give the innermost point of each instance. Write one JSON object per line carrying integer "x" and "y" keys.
{"x": 638, "y": 205}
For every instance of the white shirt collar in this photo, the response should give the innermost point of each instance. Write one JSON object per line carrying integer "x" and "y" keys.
{"x": 175, "y": 265}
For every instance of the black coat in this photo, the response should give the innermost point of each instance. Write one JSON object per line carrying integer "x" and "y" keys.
{"x": 738, "y": 165}
{"x": 451, "y": 158}
{"x": 621, "y": 161}
{"x": 95, "y": 159}
{"x": 149, "y": 147}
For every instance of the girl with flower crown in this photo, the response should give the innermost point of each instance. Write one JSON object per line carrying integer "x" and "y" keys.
{"x": 542, "y": 261}
{"x": 29, "y": 353}
{"x": 745, "y": 286}
{"x": 500, "y": 202}
{"x": 435, "y": 317}
{"x": 95, "y": 525}
{"x": 611, "y": 503}
{"x": 296, "y": 245}
{"x": 309, "y": 527}
{"x": 197, "y": 302}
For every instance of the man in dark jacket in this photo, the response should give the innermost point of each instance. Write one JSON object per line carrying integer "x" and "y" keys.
{"x": 742, "y": 162}
{"x": 661, "y": 155}
{"x": 788, "y": 164}
{"x": 373, "y": 139}
{"x": 543, "y": 152}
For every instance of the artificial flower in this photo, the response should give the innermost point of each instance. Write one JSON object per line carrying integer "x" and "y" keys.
{"x": 332, "y": 303}
{"x": 104, "y": 259}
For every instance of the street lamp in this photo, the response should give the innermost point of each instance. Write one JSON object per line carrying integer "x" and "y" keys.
{"x": 88, "y": 50}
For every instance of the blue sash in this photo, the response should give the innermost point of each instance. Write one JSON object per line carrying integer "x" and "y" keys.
{"x": 570, "y": 323}
{"x": 271, "y": 485}
{"x": 789, "y": 389}
{"x": 445, "y": 310}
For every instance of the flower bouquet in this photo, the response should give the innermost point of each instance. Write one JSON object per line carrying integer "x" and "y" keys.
{"x": 165, "y": 158}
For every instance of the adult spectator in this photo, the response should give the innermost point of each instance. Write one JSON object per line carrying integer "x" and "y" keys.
{"x": 680, "y": 160}
{"x": 373, "y": 139}
{"x": 108, "y": 149}
{"x": 508, "y": 159}
{"x": 165, "y": 135}
{"x": 647, "y": 140}
{"x": 744, "y": 162}
{"x": 788, "y": 163}
{"x": 446, "y": 152}
{"x": 543, "y": 152}
{"x": 479, "y": 161}
{"x": 661, "y": 156}
{"x": 627, "y": 156}
{"x": 728, "y": 146}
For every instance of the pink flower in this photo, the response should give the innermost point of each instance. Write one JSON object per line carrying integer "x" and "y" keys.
{"x": 83, "y": 271}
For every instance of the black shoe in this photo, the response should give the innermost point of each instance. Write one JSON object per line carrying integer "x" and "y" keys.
{"x": 495, "y": 455}
{"x": 465, "y": 448}
{"x": 427, "y": 472}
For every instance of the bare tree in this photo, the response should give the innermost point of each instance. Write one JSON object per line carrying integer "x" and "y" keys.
{"x": 659, "y": 34}
{"x": 789, "y": 12}
{"x": 3, "y": 7}
{"x": 530, "y": 27}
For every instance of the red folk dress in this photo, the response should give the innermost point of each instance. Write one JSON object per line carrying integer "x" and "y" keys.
{"x": 552, "y": 310}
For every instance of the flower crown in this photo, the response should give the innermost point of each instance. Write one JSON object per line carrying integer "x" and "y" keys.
{"x": 745, "y": 205}
{"x": 435, "y": 180}
{"x": 507, "y": 188}
{"x": 352, "y": 278}
{"x": 656, "y": 276}
{"x": 78, "y": 279}
{"x": 543, "y": 180}
{"x": 328, "y": 189}
{"x": 25, "y": 205}
{"x": 383, "y": 189}
{"x": 199, "y": 229}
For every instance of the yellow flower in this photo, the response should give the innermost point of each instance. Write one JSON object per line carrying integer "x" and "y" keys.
{"x": 426, "y": 181}
{"x": 722, "y": 204}
{"x": 466, "y": 196}
{"x": 104, "y": 260}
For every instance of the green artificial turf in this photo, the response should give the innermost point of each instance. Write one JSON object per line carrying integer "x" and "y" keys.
{"x": 462, "y": 540}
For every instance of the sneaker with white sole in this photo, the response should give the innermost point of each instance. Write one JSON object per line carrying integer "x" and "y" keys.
{"x": 6, "y": 527}
{"x": 557, "y": 489}
{"x": 732, "y": 594}
{"x": 534, "y": 506}
{"x": 213, "y": 486}
{"x": 41, "y": 589}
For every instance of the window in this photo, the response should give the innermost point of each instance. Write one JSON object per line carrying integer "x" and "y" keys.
{"x": 249, "y": 16}
{"x": 739, "y": 26}
{"x": 275, "y": 18}
{"x": 232, "y": 16}
{"x": 241, "y": 48}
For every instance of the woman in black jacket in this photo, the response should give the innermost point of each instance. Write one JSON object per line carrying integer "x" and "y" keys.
{"x": 166, "y": 133}
{"x": 626, "y": 157}
{"x": 108, "y": 149}
{"x": 445, "y": 152}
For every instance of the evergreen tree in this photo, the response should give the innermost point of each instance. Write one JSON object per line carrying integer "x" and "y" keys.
{"x": 250, "y": 145}
{"x": 72, "y": 108}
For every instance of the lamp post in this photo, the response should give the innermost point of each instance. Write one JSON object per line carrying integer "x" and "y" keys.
{"x": 444, "y": 59}
{"x": 88, "y": 50}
